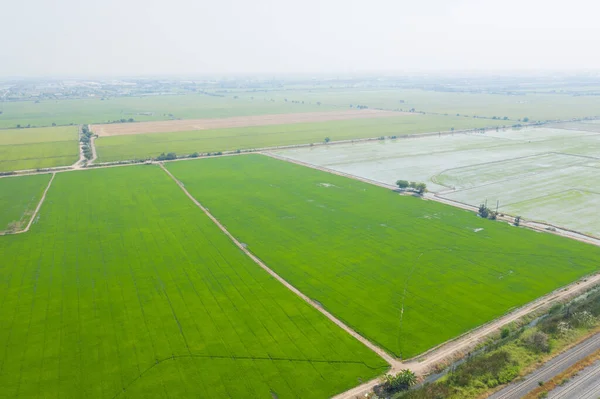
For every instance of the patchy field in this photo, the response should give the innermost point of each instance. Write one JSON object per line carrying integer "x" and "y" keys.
{"x": 18, "y": 198}
{"x": 38, "y": 147}
{"x": 141, "y": 146}
{"x": 530, "y": 172}
{"x": 125, "y": 289}
{"x": 406, "y": 273}
{"x": 117, "y": 129}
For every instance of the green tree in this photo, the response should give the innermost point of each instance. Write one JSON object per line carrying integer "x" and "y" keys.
{"x": 483, "y": 211}
{"x": 402, "y": 184}
{"x": 518, "y": 221}
{"x": 421, "y": 188}
{"x": 327, "y": 139}
{"x": 526, "y": 119}
{"x": 401, "y": 381}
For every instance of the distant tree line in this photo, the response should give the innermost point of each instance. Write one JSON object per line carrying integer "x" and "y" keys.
{"x": 122, "y": 120}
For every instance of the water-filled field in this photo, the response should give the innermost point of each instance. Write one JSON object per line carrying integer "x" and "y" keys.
{"x": 545, "y": 174}
{"x": 406, "y": 273}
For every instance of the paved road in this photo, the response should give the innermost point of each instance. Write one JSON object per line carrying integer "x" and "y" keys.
{"x": 586, "y": 385}
{"x": 553, "y": 367}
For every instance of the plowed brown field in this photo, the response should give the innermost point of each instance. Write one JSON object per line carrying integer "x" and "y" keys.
{"x": 118, "y": 129}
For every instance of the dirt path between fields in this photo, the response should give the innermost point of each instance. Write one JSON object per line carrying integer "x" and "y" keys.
{"x": 395, "y": 364}
{"x": 93, "y": 147}
{"x": 35, "y": 213}
{"x": 182, "y": 125}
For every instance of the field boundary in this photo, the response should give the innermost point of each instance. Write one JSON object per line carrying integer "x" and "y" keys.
{"x": 35, "y": 212}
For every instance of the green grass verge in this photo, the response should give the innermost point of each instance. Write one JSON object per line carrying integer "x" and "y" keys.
{"x": 38, "y": 147}
{"x": 406, "y": 273}
{"x": 18, "y": 198}
{"x": 124, "y": 289}
{"x": 140, "y": 146}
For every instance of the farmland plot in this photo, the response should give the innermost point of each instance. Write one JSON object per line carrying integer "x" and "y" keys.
{"x": 125, "y": 289}
{"x": 141, "y": 146}
{"x": 526, "y": 170}
{"x": 406, "y": 273}
{"x": 38, "y": 148}
{"x": 18, "y": 198}
{"x": 142, "y": 108}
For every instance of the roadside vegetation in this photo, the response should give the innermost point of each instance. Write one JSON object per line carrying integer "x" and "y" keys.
{"x": 516, "y": 351}
{"x": 86, "y": 140}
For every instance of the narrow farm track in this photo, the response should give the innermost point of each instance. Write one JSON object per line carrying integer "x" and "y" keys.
{"x": 37, "y": 209}
{"x": 394, "y": 363}
{"x": 93, "y": 147}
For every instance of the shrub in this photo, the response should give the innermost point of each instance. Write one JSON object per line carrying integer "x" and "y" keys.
{"x": 401, "y": 381}
{"x": 537, "y": 342}
{"x": 583, "y": 319}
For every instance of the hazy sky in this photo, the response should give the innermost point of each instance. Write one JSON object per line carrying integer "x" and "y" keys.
{"x": 142, "y": 37}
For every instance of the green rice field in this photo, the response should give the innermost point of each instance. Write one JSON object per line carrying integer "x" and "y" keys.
{"x": 141, "y": 146}
{"x": 404, "y": 272}
{"x": 123, "y": 288}
{"x": 34, "y": 148}
{"x": 535, "y": 106}
{"x": 18, "y": 198}
{"x": 148, "y": 108}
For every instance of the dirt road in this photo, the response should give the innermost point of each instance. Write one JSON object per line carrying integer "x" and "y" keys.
{"x": 37, "y": 209}
{"x": 118, "y": 129}
{"x": 394, "y": 363}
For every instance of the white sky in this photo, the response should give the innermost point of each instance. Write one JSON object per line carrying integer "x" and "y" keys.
{"x": 143, "y": 37}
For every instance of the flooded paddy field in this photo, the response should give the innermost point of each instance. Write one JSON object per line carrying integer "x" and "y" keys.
{"x": 545, "y": 174}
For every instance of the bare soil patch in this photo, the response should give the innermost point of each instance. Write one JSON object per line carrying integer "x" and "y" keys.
{"x": 118, "y": 129}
